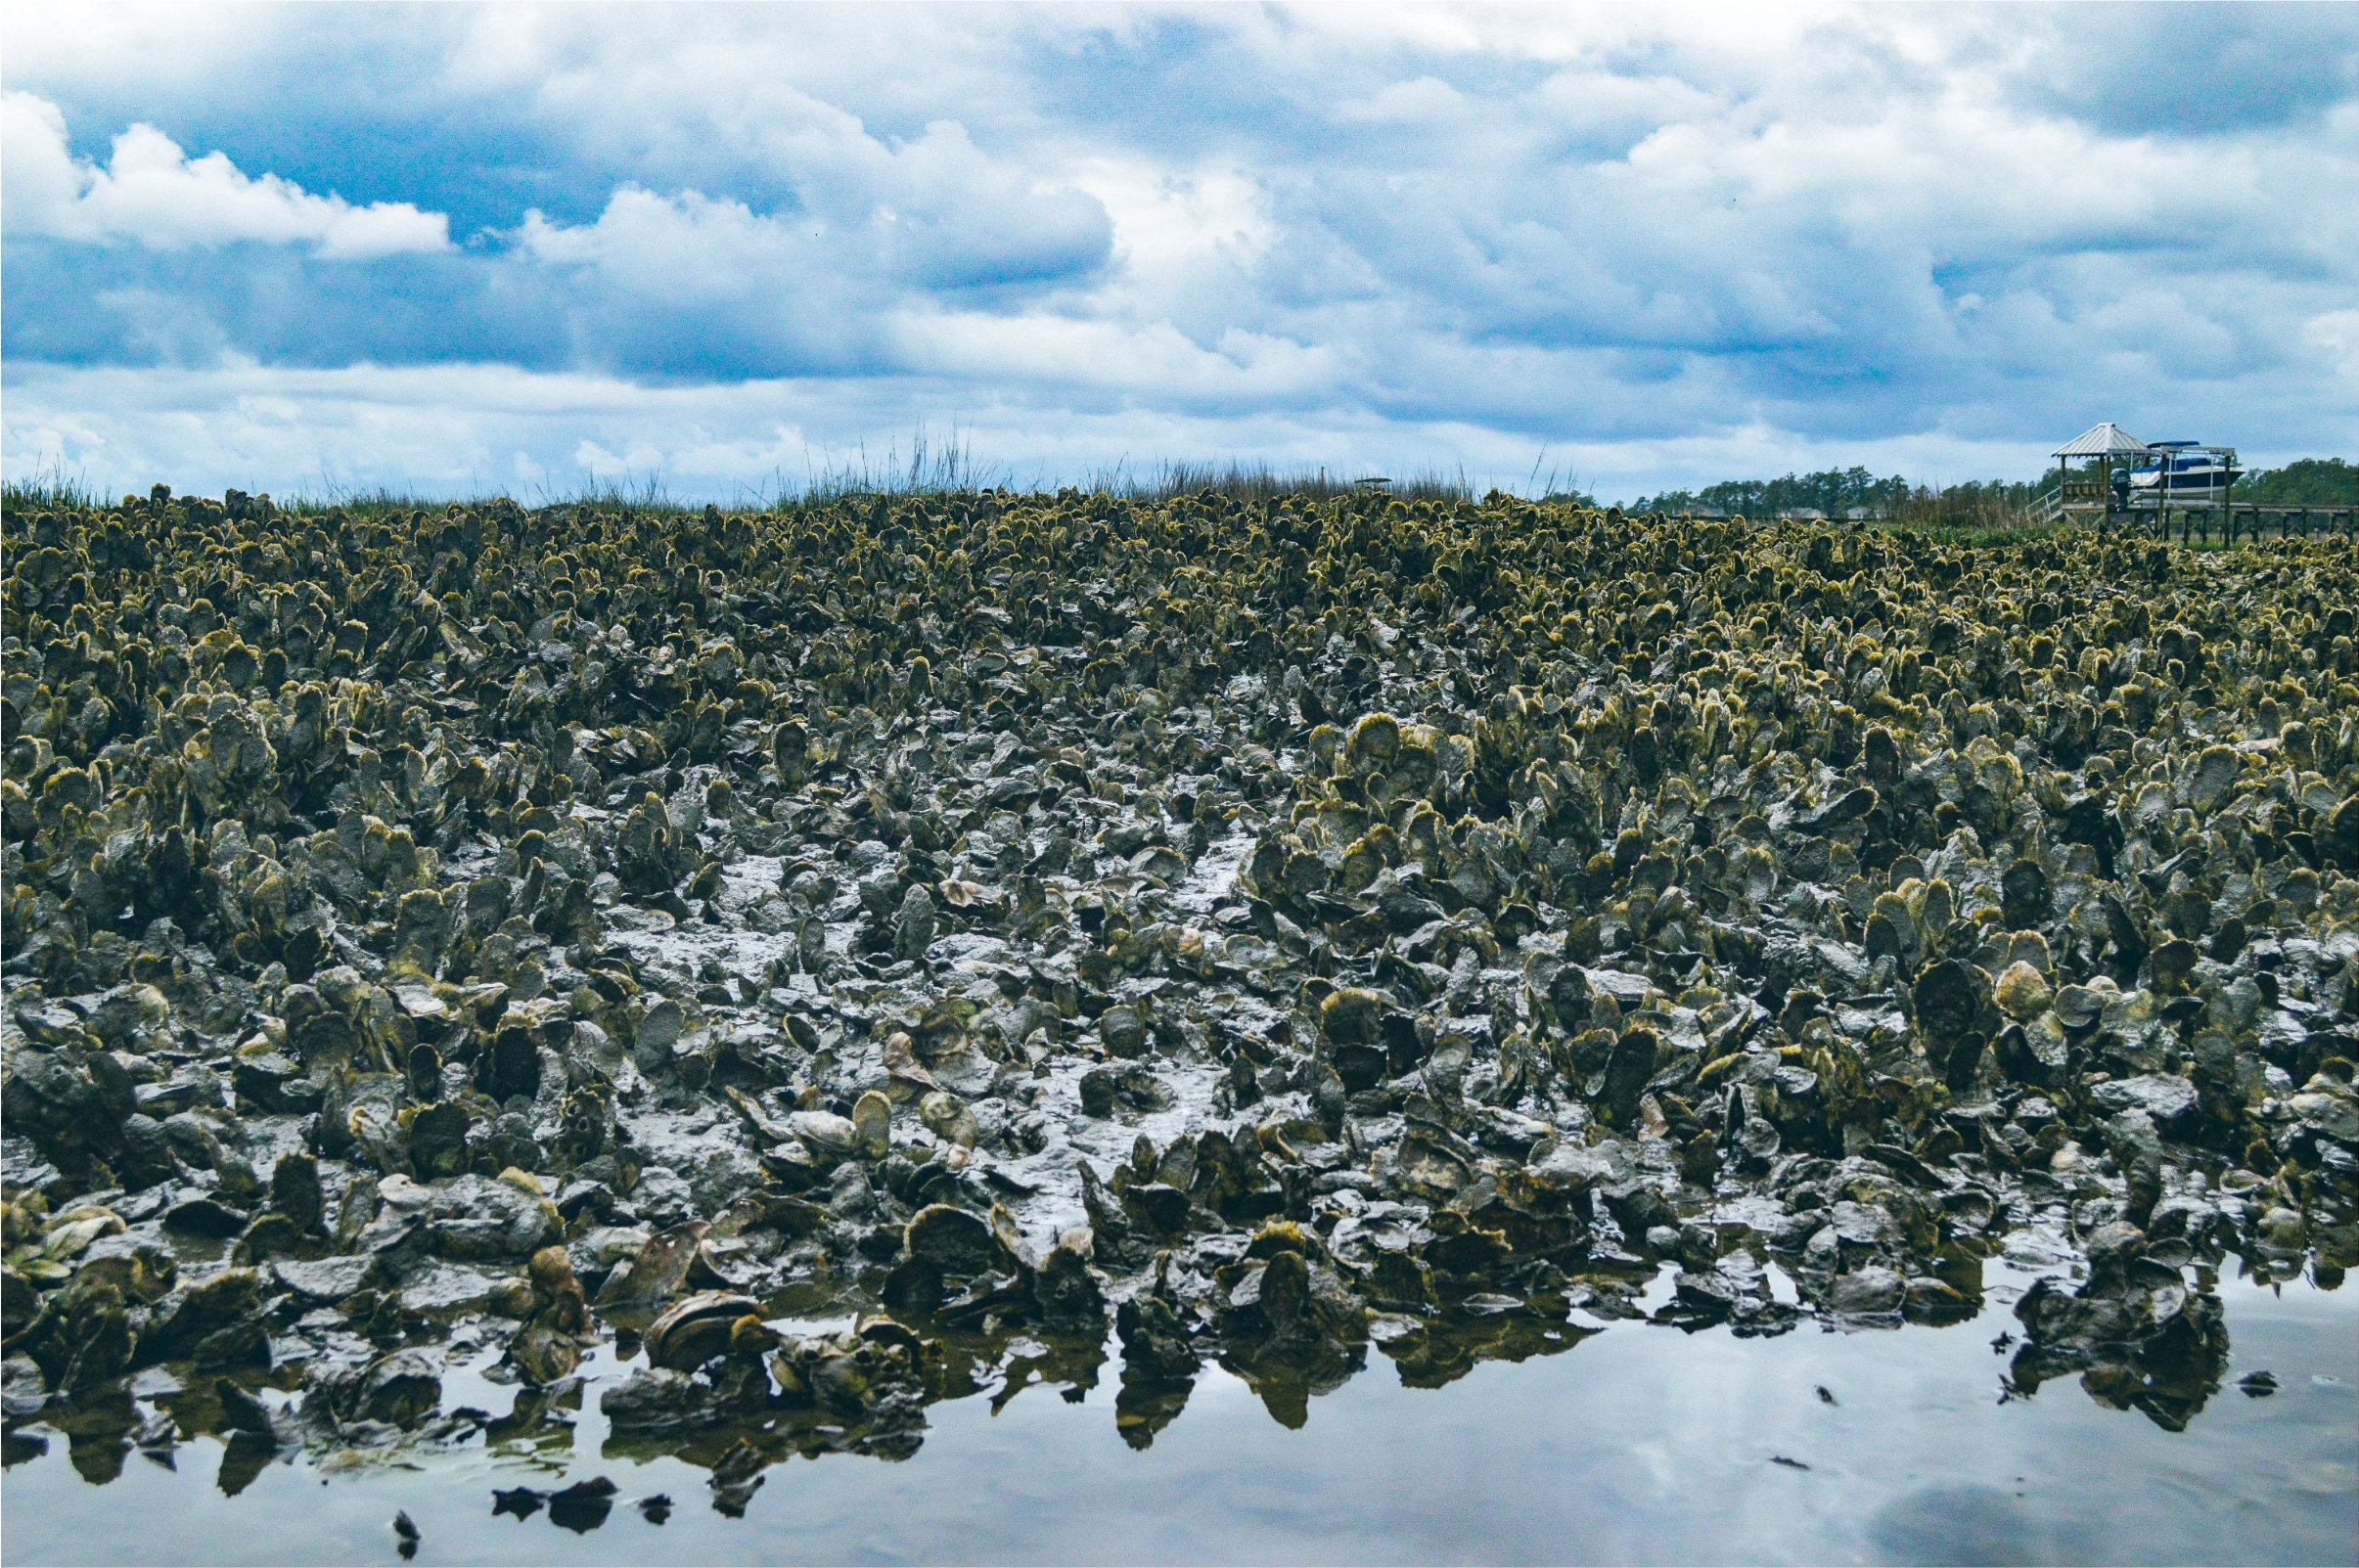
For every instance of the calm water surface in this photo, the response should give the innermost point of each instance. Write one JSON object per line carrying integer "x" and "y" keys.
{"x": 1638, "y": 1444}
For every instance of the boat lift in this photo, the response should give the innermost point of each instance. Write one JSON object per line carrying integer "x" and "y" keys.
{"x": 2156, "y": 483}
{"x": 2118, "y": 475}
{"x": 2180, "y": 473}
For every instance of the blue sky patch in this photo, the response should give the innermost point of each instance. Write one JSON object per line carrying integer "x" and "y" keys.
{"x": 446, "y": 248}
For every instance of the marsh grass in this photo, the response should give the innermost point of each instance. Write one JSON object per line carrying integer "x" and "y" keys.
{"x": 1980, "y": 515}
{"x": 1260, "y": 481}
{"x": 927, "y": 467}
{"x": 1972, "y": 532}
{"x": 52, "y": 489}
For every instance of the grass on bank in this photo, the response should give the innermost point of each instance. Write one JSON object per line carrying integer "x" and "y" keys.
{"x": 949, "y": 470}
{"x": 1977, "y": 514}
{"x": 1242, "y": 482}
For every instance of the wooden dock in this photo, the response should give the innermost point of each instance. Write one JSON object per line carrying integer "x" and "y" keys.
{"x": 2241, "y": 521}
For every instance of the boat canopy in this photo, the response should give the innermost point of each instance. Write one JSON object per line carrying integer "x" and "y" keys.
{"x": 2106, "y": 440}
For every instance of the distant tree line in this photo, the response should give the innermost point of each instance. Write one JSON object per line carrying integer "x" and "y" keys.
{"x": 1838, "y": 492}
{"x": 2310, "y": 483}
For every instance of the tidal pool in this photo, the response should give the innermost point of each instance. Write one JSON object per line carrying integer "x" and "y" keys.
{"x": 1635, "y": 1443}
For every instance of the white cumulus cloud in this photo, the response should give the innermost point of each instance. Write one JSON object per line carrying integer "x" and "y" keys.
{"x": 1652, "y": 246}
{"x": 152, "y": 191}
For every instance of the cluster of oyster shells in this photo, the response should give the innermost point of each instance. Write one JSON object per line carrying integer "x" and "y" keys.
{"x": 851, "y": 956}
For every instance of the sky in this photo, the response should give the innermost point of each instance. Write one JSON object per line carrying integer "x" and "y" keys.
{"x": 453, "y": 251}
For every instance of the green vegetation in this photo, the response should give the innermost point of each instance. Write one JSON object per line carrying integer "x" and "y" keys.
{"x": 52, "y": 487}
{"x": 1967, "y": 513}
{"x": 1839, "y": 492}
{"x": 2310, "y": 483}
{"x": 1958, "y": 511}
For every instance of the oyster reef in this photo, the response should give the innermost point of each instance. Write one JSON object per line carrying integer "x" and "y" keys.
{"x": 834, "y": 961}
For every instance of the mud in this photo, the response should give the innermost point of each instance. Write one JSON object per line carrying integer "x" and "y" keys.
{"x": 850, "y": 959}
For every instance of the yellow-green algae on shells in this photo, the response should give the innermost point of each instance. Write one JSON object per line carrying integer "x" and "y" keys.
{"x": 1271, "y": 929}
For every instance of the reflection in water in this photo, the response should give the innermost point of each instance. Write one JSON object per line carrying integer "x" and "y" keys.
{"x": 1948, "y": 1524}
{"x": 2140, "y": 1337}
{"x": 2141, "y": 1331}
{"x": 1883, "y": 1446}
{"x": 582, "y": 1508}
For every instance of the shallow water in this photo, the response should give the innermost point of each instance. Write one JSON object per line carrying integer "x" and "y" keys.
{"x": 1635, "y": 1443}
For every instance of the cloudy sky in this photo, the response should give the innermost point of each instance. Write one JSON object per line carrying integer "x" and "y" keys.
{"x": 457, "y": 250}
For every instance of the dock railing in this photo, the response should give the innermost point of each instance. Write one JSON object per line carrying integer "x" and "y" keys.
{"x": 2043, "y": 509}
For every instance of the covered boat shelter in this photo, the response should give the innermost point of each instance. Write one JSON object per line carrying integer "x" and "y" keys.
{"x": 2096, "y": 450}
{"x": 2161, "y": 482}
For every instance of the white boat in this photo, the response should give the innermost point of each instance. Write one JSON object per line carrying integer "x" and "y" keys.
{"x": 2180, "y": 473}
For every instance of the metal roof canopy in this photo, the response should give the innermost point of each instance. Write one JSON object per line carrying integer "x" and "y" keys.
{"x": 2106, "y": 440}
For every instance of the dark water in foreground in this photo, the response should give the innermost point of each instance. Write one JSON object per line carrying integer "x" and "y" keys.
{"x": 1638, "y": 1444}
